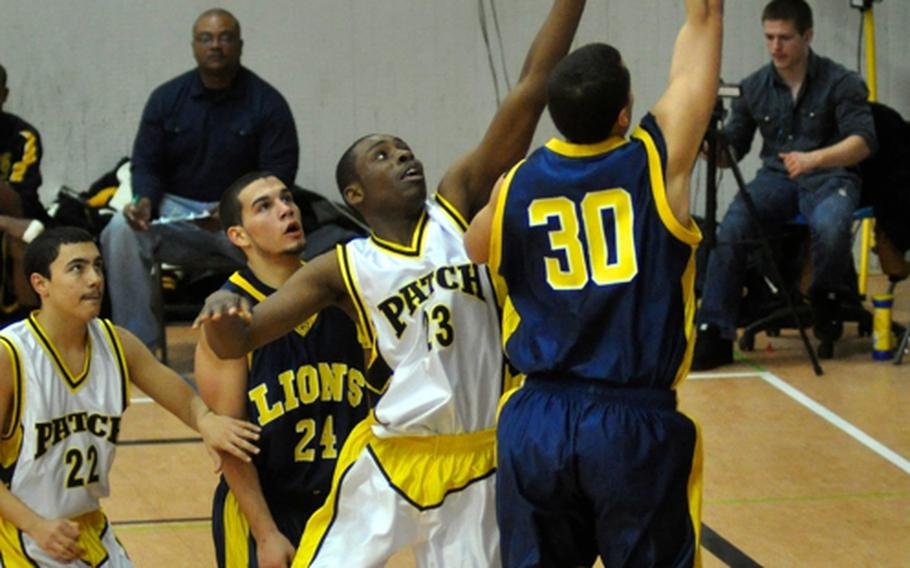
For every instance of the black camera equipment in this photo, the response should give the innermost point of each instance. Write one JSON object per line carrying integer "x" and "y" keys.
{"x": 717, "y": 145}
{"x": 862, "y": 4}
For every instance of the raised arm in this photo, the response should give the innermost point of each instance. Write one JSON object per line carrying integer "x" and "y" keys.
{"x": 223, "y": 387}
{"x": 232, "y": 331}
{"x": 468, "y": 182}
{"x": 685, "y": 108}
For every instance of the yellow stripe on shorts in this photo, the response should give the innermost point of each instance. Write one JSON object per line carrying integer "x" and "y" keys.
{"x": 236, "y": 534}
{"x": 422, "y": 469}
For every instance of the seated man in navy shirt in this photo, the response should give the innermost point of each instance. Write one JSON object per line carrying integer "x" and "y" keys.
{"x": 199, "y": 132}
{"x": 815, "y": 125}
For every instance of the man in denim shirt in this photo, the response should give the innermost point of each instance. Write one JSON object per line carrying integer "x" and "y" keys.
{"x": 815, "y": 124}
{"x": 199, "y": 132}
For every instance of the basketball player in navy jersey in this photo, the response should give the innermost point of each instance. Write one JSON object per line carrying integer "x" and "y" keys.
{"x": 593, "y": 237}
{"x": 306, "y": 389}
{"x": 419, "y": 473}
{"x": 65, "y": 377}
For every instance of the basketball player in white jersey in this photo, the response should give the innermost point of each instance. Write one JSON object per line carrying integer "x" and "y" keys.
{"x": 65, "y": 379}
{"x": 419, "y": 472}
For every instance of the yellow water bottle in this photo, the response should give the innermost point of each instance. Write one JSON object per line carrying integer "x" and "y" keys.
{"x": 882, "y": 345}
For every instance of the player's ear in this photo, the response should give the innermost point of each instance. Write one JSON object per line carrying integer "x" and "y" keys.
{"x": 237, "y": 236}
{"x": 353, "y": 194}
{"x": 625, "y": 118}
{"x": 39, "y": 284}
{"x": 808, "y": 35}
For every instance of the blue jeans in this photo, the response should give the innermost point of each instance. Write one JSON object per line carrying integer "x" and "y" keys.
{"x": 130, "y": 254}
{"x": 828, "y": 209}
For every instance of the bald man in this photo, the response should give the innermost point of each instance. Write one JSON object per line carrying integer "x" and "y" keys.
{"x": 199, "y": 132}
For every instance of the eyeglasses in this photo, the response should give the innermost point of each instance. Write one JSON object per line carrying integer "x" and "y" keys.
{"x": 207, "y": 39}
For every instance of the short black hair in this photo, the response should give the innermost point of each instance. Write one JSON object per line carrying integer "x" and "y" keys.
{"x": 43, "y": 251}
{"x": 230, "y": 210}
{"x": 586, "y": 92}
{"x": 346, "y": 169}
{"x": 796, "y": 11}
{"x": 2, "y": 76}
{"x": 217, "y": 12}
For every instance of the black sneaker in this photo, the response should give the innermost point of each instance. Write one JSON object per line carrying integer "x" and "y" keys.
{"x": 711, "y": 350}
{"x": 827, "y": 323}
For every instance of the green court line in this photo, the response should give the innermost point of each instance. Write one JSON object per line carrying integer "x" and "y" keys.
{"x": 809, "y": 498}
{"x": 740, "y": 358}
{"x": 147, "y": 525}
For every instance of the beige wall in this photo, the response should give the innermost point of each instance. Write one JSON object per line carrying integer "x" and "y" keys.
{"x": 81, "y": 70}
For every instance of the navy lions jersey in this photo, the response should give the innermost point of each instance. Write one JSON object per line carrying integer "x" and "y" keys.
{"x": 307, "y": 391}
{"x": 600, "y": 274}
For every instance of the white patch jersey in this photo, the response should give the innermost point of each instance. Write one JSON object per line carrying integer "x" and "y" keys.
{"x": 59, "y": 448}
{"x": 435, "y": 321}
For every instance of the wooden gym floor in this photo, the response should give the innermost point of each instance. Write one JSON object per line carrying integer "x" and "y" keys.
{"x": 799, "y": 470}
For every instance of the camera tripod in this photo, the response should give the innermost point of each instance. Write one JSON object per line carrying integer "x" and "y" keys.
{"x": 716, "y": 142}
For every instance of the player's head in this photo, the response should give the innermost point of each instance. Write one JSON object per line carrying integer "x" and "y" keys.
{"x": 589, "y": 96}
{"x": 217, "y": 44}
{"x": 378, "y": 174}
{"x": 3, "y": 90}
{"x": 797, "y": 12}
{"x": 260, "y": 217}
{"x": 787, "y": 25}
{"x": 64, "y": 268}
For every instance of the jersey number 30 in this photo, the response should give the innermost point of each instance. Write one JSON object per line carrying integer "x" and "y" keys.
{"x": 581, "y": 265}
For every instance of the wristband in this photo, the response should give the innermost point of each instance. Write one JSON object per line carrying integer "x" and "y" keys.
{"x": 33, "y": 230}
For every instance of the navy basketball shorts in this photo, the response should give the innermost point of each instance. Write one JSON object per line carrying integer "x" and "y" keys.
{"x": 235, "y": 546}
{"x": 586, "y": 469}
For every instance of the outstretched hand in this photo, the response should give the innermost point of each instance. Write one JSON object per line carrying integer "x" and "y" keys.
{"x": 798, "y": 163}
{"x": 58, "y": 537}
{"x": 275, "y": 551}
{"x": 229, "y": 435}
{"x": 139, "y": 213}
{"x": 222, "y": 307}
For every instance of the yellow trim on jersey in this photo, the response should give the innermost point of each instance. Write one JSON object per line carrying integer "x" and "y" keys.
{"x": 117, "y": 349}
{"x": 585, "y": 150}
{"x": 426, "y": 469}
{"x": 494, "y": 258}
{"x": 507, "y": 395}
{"x": 73, "y": 382}
{"x": 236, "y": 534}
{"x": 691, "y": 234}
{"x": 694, "y": 488}
{"x": 365, "y": 323}
{"x": 415, "y": 248}
{"x": 319, "y": 522}
{"x": 29, "y": 157}
{"x": 92, "y": 526}
{"x": 456, "y": 216}
{"x": 16, "y": 364}
{"x": 12, "y": 550}
{"x": 688, "y": 293}
{"x": 510, "y": 321}
{"x": 421, "y": 469}
{"x": 11, "y": 442}
{"x": 238, "y": 280}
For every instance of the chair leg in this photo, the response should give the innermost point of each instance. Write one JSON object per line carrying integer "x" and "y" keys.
{"x": 902, "y": 346}
{"x": 868, "y": 226}
{"x": 159, "y": 312}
